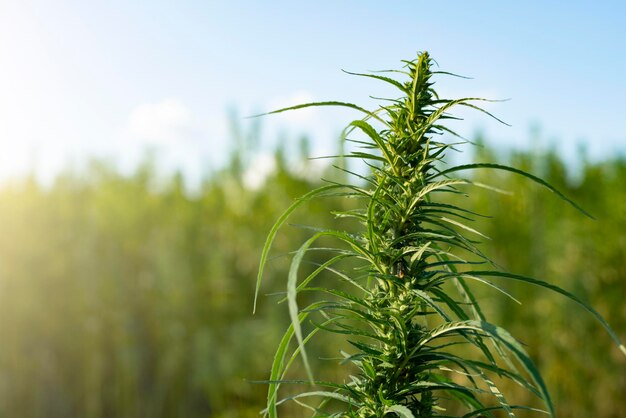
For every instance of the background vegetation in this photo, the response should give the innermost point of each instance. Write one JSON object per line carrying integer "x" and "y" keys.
{"x": 126, "y": 296}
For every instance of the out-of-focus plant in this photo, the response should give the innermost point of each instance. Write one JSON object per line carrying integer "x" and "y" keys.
{"x": 416, "y": 332}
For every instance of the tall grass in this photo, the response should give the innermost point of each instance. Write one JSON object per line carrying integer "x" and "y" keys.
{"x": 416, "y": 337}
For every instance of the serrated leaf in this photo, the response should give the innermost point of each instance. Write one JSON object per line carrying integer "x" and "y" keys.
{"x": 400, "y": 410}
{"x": 281, "y": 220}
{"x": 516, "y": 171}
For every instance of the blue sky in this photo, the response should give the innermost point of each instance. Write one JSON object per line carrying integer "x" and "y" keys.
{"x": 114, "y": 78}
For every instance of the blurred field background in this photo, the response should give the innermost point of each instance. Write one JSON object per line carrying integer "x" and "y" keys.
{"x": 129, "y": 296}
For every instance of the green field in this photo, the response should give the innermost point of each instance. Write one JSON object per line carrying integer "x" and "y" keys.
{"x": 127, "y": 296}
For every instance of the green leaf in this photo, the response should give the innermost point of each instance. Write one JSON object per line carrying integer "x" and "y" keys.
{"x": 380, "y": 77}
{"x": 321, "y": 393}
{"x": 292, "y": 283}
{"x": 326, "y": 103}
{"x": 325, "y": 266}
{"x": 281, "y": 220}
{"x": 400, "y": 410}
{"x": 516, "y": 171}
{"x": 371, "y": 132}
{"x": 561, "y": 291}
{"x": 277, "y": 366}
{"x": 503, "y": 336}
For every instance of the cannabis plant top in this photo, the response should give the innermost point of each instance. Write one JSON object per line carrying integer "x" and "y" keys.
{"x": 411, "y": 314}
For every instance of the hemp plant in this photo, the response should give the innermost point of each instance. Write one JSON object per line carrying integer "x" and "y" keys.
{"x": 416, "y": 332}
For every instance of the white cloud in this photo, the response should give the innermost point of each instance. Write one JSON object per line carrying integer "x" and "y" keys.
{"x": 168, "y": 121}
{"x": 262, "y": 166}
{"x": 175, "y": 138}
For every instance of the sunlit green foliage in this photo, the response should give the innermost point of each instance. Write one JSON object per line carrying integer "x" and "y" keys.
{"x": 128, "y": 297}
{"x": 531, "y": 235}
{"x": 416, "y": 334}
